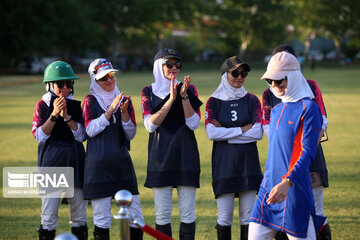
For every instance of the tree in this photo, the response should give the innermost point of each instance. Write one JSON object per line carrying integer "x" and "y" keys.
{"x": 336, "y": 19}
{"x": 253, "y": 23}
{"x": 143, "y": 23}
{"x": 36, "y": 26}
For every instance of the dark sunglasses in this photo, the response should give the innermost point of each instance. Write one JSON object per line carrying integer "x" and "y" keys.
{"x": 171, "y": 64}
{"x": 110, "y": 75}
{"x": 277, "y": 82}
{"x": 61, "y": 84}
{"x": 236, "y": 74}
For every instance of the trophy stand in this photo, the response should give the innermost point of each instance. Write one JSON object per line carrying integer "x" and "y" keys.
{"x": 123, "y": 200}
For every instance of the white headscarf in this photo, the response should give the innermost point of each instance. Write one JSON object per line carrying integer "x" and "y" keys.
{"x": 161, "y": 86}
{"x": 103, "y": 97}
{"x": 47, "y": 96}
{"x": 226, "y": 92}
{"x": 297, "y": 88}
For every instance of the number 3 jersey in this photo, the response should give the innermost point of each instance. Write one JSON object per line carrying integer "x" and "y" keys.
{"x": 235, "y": 158}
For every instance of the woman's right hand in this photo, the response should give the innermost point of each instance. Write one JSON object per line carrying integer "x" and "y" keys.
{"x": 173, "y": 89}
{"x": 116, "y": 102}
{"x": 59, "y": 104}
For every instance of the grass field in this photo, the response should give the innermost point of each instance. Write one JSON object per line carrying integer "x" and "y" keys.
{"x": 341, "y": 92}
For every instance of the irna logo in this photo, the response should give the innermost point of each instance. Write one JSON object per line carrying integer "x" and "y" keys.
{"x": 34, "y": 182}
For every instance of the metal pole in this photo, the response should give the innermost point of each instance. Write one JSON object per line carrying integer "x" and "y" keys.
{"x": 123, "y": 199}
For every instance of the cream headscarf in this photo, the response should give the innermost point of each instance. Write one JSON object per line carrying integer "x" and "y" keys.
{"x": 284, "y": 64}
{"x": 47, "y": 96}
{"x": 161, "y": 86}
{"x": 226, "y": 92}
{"x": 297, "y": 88}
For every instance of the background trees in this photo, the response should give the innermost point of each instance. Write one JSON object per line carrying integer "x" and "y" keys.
{"x": 70, "y": 27}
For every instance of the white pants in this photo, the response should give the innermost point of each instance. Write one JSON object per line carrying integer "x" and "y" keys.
{"x": 225, "y": 204}
{"x": 77, "y": 208}
{"x": 102, "y": 211}
{"x": 163, "y": 204}
{"x": 258, "y": 231}
{"x": 319, "y": 201}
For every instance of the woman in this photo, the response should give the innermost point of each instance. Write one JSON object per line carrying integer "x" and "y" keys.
{"x": 110, "y": 125}
{"x": 58, "y": 128}
{"x": 318, "y": 169}
{"x": 233, "y": 122}
{"x": 285, "y": 200}
{"x": 171, "y": 114}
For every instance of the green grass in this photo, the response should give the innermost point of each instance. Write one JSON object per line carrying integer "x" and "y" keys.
{"x": 341, "y": 92}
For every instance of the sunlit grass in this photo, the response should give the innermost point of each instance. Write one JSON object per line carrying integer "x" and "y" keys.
{"x": 19, "y": 218}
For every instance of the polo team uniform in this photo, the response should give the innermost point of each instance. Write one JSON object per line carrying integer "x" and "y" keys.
{"x": 235, "y": 166}
{"x": 173, "y": 156}
{"x": 62, "y": 148}
{"x": 301, "y": 122}
{"x": 236, "y": 170}
{"x": 108, "y": 164}
{"x": 109, "y": 167}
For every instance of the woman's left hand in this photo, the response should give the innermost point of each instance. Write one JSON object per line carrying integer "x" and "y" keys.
{"x": 63, "y": 111}
{"x": 279, "y": 192}
{"x": 124, "y": 109}
{"x": 185, "y": 86}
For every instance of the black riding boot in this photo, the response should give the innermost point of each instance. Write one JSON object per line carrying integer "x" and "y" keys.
{"x": 187, "y": 231}
{"x": 101, "y": 233}
{"x": 324, "y": 234}
{"x": 164, "y": 229}
{"x": 244, "y": 232}
{"x": 45, "y": 234}
{"x": 80, "y": 232}
{"x": 281, "y": 236}
{"x": 136, "y": 234}
{"x": 223, "y": 232}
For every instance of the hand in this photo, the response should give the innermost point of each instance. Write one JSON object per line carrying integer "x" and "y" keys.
{"x": 59, "y": 104}
{"x": 63, "y": 111}
{"x": 279, "y": 192}
{"x": 246, "y": 127}
{"x": 124, "y": 109}
{"x": 185, "y": 86}
{"x": 173, "y": 89}
{"x": 216, "y": 123}
{"x": 124, "y": 105}
{"x": 115, "y": 103}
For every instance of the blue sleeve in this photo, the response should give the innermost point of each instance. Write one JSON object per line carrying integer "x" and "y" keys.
{"x": 306, "y": 142}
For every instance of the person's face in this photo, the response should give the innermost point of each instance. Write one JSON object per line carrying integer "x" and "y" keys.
{"x": 171, "y": 68}
{"x": 63, "y": 88}
{"x": 279, "y": 86}
{"x": 236, "y": 78}
{"x": 107, "y": 82}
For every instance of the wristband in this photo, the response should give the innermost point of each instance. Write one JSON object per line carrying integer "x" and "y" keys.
{"x": 68, "y": 119}
{"x": 186, "y": 97}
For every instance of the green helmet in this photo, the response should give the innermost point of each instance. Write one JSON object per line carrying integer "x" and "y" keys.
{"x": 58, "y": 71}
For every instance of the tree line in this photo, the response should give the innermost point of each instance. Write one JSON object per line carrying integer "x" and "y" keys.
{"x": 73, "y": 26}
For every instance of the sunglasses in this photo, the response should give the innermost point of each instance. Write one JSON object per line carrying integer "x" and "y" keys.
{"x": 236, "y": 74}
{"x": 68, "y": 83}
{"x": 110, "y": 75}
{"x": 170, "y": 64}
{"x": 277, "y": 82}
